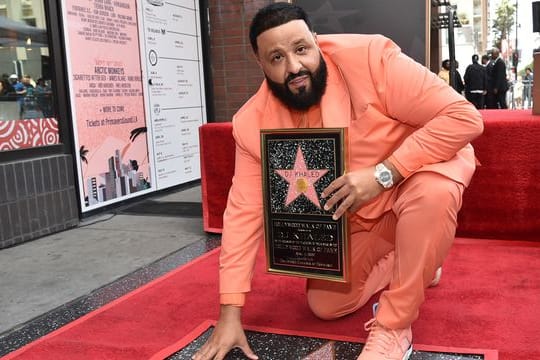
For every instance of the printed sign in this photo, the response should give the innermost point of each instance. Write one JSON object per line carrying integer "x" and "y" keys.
{"x": 137, "y": 95}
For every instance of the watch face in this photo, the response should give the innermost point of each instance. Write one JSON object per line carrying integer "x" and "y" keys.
{"x": 385, "y": 176}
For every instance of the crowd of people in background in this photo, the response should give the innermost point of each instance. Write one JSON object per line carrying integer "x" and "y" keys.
{"x": 486, "y": 85}
{"x": 34, "y": 98}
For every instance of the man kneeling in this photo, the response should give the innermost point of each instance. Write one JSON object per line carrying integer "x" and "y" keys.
{"x": 409, "y": 162}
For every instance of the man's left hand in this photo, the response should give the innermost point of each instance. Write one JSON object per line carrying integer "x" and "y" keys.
{"x": 351, "y": 191}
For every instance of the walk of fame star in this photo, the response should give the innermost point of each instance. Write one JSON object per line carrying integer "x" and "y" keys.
{"x": 325, "y": 352}
{"x": 301, "y": 180}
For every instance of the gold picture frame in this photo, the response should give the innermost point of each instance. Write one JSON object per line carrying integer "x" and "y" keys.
{"x": 301, "y": 238}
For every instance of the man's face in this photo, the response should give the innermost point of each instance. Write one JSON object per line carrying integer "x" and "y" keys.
{"x": 292, "y": 63}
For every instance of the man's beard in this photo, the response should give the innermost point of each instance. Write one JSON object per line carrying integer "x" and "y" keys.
{"x": 304, "y": 99}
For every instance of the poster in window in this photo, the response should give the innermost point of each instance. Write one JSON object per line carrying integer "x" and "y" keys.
{"x": 106, "y": 100}
{"x": 137, "y": 95}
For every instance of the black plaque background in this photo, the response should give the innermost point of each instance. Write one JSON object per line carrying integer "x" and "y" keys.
{"x": 299, "y": 236}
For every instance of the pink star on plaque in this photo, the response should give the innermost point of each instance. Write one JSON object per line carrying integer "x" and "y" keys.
{"x": 301, "y": 180}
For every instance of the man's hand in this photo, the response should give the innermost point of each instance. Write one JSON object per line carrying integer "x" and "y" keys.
{"x": 351, "y": 191}
{"x": 355, "y": 189}
{"x": 227, "y": 335}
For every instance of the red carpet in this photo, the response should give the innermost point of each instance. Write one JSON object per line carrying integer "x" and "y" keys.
{"x": 487, "y": 299}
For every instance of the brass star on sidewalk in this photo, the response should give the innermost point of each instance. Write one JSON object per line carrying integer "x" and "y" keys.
{"x": 301, "y": 180}
{"x": 325, "y": 352}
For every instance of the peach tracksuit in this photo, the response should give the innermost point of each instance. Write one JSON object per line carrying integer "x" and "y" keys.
{"x": 394, "y": 108}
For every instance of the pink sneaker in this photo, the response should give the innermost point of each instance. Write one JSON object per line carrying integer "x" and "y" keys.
{"x": 386, "y": 344}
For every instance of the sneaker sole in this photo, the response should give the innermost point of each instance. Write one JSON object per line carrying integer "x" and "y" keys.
{"x": 407, "y": 353}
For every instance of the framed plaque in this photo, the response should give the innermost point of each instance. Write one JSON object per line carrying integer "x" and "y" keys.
{"x": 301, "y": 238}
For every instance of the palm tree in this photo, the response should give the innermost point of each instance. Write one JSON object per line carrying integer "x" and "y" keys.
{"x": 504, "y": 21}
{"x": 136, "y": 132}
{"x": 83, "y": 152}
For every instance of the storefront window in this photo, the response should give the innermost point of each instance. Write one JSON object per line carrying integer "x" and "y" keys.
{"x": 27, "y": 107}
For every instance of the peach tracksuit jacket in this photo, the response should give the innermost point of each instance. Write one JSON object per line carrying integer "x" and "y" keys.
{"x": 394, "y": 108}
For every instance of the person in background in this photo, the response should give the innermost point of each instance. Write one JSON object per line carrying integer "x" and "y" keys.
{"x": 517, "y": 94}
{"x": 41, "y": 85}
{"x": 475, "y": 83}
{"x": 8, "y": 88}
{"x": 20, "y": 92}
{"x": 527, "y": 87}
{"x": 17, "y": 86}
{"x": 4, "y": 87}
{"x": 28, "y": 82}
{"x": 497, "y": 82}
{"x": 410, "y": 160}
{"x": 444, "y": 74}
{"x": 458, "y": 83}
{"x": 43, "y": 96}
{"x": 485, "y": 62}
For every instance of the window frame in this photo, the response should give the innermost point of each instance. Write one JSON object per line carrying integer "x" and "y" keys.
{"x": 53, "y": 19}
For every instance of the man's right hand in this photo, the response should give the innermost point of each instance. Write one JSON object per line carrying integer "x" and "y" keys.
{"x": 227, "y": 335}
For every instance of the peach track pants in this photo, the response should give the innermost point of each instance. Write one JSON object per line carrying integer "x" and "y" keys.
{"x": 419, "y": 230}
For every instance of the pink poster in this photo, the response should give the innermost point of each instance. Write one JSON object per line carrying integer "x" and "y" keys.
{"x": 106, "y": 99}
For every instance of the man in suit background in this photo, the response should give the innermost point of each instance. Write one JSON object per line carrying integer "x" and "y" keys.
{"x": 498, "y": 82}
{"x": 475, "y": 83}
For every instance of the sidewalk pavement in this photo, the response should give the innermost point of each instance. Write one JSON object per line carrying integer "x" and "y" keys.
{"x": 44, "y": 274}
